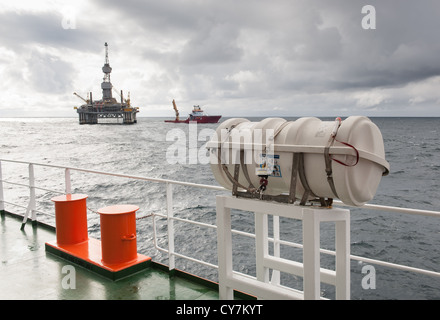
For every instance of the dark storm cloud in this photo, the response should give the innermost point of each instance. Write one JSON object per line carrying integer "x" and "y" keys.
{"x": 168, "y": 18}
{"x": 43, "y": 72}
{"x": 215, "y": 44}
{"x": 49, "y": 74}
{"x": 18, "y": 30}
{"x": 403, "y": 48}
{"x": 313, "y": 44}
{"x": 41, "y": 43}
{"x": 288, "y": 52}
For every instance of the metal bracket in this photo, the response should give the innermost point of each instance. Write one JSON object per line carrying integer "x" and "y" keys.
{"x": 297, "y": 171}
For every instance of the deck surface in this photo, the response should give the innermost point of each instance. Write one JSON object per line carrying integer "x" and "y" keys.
{"x": 28, "y": 272}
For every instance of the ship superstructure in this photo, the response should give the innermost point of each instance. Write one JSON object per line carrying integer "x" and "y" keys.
{"x": 108, "y": 107}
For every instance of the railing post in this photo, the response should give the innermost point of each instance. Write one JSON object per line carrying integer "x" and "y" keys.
{"x": 32, "y": 193}
{"x": 2, "y": 199}
{"x": 261, "y": 245}
{"x": 170, "y": 228}
{"x": 311, "y": 257}
{"x": 224, "y": 248}
{"x": 343, "y": 258}
{"x": 32, "y": 203}
{"x": 275, "y": 280}
{"x": 67, "y": 179}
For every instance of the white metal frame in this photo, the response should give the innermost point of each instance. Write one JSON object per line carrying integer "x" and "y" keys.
{"x": 309, "y": 269}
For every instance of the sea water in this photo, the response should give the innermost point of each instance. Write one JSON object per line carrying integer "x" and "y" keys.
{"x": 412, "y": 148}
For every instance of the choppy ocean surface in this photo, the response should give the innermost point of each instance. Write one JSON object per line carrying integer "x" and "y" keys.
{"x": 412, "y": 148}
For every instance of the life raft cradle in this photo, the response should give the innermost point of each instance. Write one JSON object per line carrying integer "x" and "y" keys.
{"x": 258, "y": 193}
{"x": 297, "y": 171}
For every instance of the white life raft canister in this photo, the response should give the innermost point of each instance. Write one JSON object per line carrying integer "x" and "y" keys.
{"x": 352, "y": 149}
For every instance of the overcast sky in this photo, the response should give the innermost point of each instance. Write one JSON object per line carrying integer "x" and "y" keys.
{"x": 235, "y": 58}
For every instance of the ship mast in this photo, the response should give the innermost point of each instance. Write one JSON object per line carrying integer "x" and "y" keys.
{"x": 106, "y": 85}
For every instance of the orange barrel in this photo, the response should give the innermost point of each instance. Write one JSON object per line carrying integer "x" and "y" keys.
{"x": 71, "y": 218}
{"x": 118, "y": 233}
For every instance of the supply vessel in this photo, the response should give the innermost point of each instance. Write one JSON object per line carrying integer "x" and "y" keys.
{"x": 197, "y": 115}
{"x": 108, "y": 109}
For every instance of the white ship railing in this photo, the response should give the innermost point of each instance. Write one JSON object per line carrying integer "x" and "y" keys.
{"x": 31, "y": 212}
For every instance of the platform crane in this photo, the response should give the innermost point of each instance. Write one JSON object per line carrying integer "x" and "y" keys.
{"x": 175, "y": 109}
{"x": 86, "y": 101}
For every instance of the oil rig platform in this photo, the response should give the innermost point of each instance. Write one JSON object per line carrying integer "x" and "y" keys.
{"x": 107, "y": 108}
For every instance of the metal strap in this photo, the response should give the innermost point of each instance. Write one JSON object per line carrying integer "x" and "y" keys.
{"x": 293, "y": 178}
{"x": 302, "y": 177}
{"x": 245, "y": 171}
{"x": 329, "y": 171}
{"x": 233, "y": 180}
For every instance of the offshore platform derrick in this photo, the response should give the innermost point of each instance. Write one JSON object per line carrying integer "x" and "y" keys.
{"x": 108, "y": 107}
